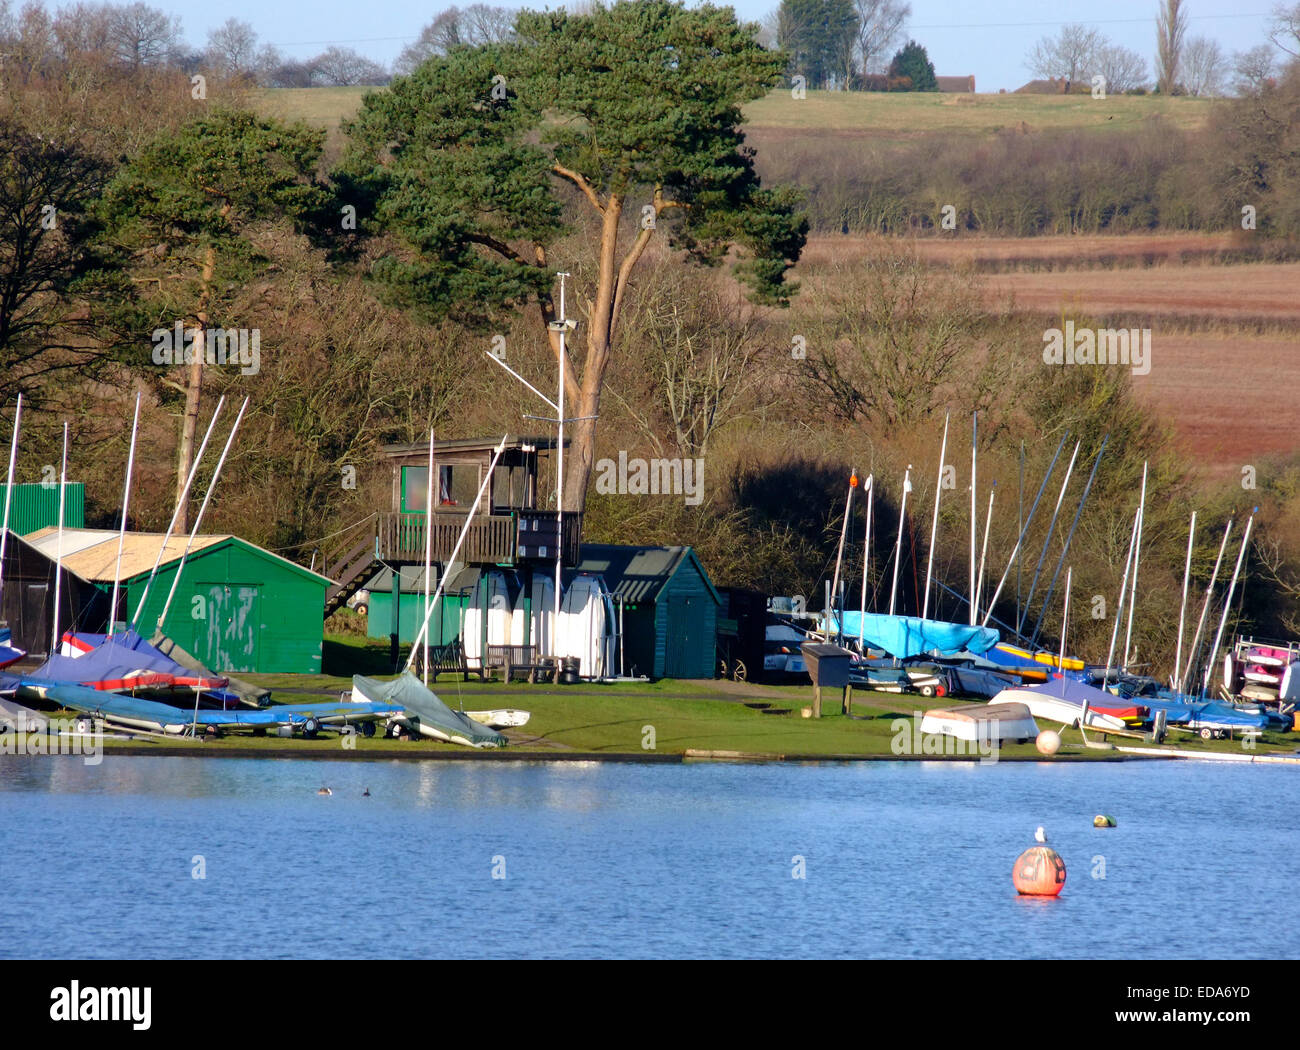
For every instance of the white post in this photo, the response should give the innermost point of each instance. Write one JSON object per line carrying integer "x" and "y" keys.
{"x": 455, "y": 551}
{"x": 866, "y": 557}
{"x": 1182, "y": 608}
{"x": 9, "y": 489}
{"x": 974, "y": 433}
{"x": 1137, "y": 557}
{"x": 198, "y": 520}
{"x": 984, "y": 551}
{"x": 180, "y": 503}
{"x": 58, "y": 561}
{"x": 1205, "y": 609}
{"x": 428, "y": 551}
{"x": 898, "y": 548}
{"x": 126, "y": 503}
{"x": 934, "y": 521}
{"x": 1227, "y": 604}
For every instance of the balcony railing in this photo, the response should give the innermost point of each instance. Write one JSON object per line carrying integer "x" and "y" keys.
{"x": 494, "y": 539}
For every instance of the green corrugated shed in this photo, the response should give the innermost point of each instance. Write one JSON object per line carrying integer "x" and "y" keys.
{"x": 670, "y": 608}
{"x": 35, "y": 505}
{"x": 240, "y": 608}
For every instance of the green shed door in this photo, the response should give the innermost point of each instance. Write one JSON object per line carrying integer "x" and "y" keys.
{"x": 681, "y": 659}
{"x": 228, "y": 639}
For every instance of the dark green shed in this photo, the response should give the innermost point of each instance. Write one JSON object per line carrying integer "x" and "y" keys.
{"x": 670, "y": 608}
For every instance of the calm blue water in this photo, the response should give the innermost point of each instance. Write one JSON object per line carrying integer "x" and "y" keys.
{"x": 902, "y": 859}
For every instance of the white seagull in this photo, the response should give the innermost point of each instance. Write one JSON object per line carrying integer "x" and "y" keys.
{"x": 1040, "y": 835}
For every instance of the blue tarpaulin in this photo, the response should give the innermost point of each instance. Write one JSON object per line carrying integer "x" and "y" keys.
{"x": 904, "y": 636}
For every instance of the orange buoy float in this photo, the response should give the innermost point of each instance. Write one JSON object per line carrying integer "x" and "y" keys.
{"x": 1039, "y": 871}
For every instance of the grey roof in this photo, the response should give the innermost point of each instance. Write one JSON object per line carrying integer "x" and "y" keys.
{"x": 638, "y": 574}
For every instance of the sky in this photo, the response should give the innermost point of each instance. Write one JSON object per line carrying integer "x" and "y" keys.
{"x": 988, "y": 38}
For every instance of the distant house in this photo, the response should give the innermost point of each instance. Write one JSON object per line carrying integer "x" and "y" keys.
{"x": 669, "y": 606}
{"x": 957, "y": 85}
{"x": 1054, "y": 86}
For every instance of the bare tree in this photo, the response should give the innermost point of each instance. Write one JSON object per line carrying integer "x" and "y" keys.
{"x": 475, "y": 25}
{"x": 880, "y": 23}
{"x": 232, "y": 48}
{"x": 141, "y": 35}
{"x": 1123, "y": 68}
{"x": 1254, "y": 68}
{"x": 83, "y": 29}
{"x": 1171, "y": 30}
{"x": 1285, "y": 29}
{"x": 1204, "y": 67}
{"x": 343, "y": 67}
{"x": 1070, "y": 54}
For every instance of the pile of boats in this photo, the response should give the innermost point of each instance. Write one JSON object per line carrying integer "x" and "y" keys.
{"x": 129, "y": 684}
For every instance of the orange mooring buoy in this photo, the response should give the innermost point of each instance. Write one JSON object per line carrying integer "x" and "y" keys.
{"x": 1039, "y": 872}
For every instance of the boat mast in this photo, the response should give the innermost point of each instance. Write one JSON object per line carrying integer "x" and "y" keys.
{"x": 1182, "y": 609}
{"x": 126, "y": 502}
{"x": 974, "y": 433}
{"x": 464, "y": 531}
{"x": 1069, "y": 538}
{"x": 428, "y": 549}
{"x": 1119, "y": 611}
{"x": 934, "y": 521}
{"x": 1137, "y": 557}
{"x": 58, "y": 560}
{"x": 1227, "y": 604}
{"x": 1186, "y": 683}
{"x": 844, "y": 531}
{"x": 198, "y": 520}
{"x": 9, "y": 490}
{"x": 1033, "y": 583}
{"x": 1065, "y": 623}
{"x": 866, "y": 558}
{"x": 984, "y": 549}
{"x": 176, "y": 514}
{"x": 898, "y": 548}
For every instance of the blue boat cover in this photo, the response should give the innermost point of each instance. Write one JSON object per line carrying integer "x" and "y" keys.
{"x": 112, "y": 658}
{"x": 904, "y": 636}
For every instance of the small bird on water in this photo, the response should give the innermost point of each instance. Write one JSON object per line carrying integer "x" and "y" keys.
{"x": 324, "y": 791}
{"x": 1040, "y": 835}
{"x": 366, "y": 793}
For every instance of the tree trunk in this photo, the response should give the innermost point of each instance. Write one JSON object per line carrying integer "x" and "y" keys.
{"x": 193, "y": 391}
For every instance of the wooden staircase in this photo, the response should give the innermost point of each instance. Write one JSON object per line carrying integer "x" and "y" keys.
{"x": 351, "y": 571}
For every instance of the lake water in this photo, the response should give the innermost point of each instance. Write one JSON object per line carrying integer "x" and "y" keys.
{"x": 617, "y": 860}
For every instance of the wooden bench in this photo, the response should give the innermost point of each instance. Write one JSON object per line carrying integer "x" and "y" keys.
{"x": 443, "y": 659}
{"x": 515, "y": 660}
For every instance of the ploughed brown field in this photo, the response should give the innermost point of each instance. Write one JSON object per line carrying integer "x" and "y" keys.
{"x": 1225, "y": 351}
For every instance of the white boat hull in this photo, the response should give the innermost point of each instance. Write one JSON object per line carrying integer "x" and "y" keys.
{"x": 1056, "y": 710}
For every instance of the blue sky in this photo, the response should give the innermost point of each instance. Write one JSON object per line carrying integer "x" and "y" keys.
{"x": 986, "y": 37}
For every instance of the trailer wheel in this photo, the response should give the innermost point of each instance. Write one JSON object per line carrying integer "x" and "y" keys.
{"x": 927, "y": 690}
{"x": 310, "y": 728}
{"x": 1207, "y": 734}
{"x": 740, "y": 672}
{"x": 85, "y": 724}
{"x": 367, "y": 729}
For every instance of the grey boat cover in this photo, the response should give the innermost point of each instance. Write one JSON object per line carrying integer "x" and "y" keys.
{"x": 252, "y": 695}
{"x": 408, "y": 692}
